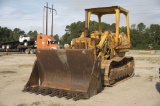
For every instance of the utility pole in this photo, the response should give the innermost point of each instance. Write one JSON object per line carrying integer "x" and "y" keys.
{"x": 43, "y": 29}
{"x": 52, "y": 22}
{"x": 47, "y": 18}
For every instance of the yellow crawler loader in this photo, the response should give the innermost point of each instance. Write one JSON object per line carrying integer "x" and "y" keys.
{"x": 93, "y": 60}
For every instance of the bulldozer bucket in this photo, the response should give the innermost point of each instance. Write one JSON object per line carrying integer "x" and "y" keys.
{"x": 65, "y": 73}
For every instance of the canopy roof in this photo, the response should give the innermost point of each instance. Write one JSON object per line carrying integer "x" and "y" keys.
{"x": 106, "y": 10}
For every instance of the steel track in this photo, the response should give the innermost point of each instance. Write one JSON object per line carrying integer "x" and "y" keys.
{"x": 117, "y": 70}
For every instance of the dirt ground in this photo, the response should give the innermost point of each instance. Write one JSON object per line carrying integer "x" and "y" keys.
{"x": 141, "y": 90}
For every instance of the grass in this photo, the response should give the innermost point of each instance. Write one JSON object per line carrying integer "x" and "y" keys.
{"x": 7, "y": 72}
{"x": 152, "y": 60}
{"x": 150, "y": 78}
{"x": 147, "y": 68}
{"x": 54, "y": 104}
{"x": 37, "y": 103}
{"x": 25, "y": 65}
{"x": 137, "y": 75}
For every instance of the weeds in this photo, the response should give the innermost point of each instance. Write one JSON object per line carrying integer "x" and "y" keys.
{"x": 7, "y": 72}
{"x": 150, "y": 78}
{"x": 25, "y": 65}
{"x": 137, "y": 75}
{"x": 56, "y": 104}
{"x": 147, "y": 68}
{"x": 37, "y": 103}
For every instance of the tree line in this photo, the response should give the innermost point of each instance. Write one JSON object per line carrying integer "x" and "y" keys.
{"x": 142, "y": 37}
{"x": 7, "y": 34}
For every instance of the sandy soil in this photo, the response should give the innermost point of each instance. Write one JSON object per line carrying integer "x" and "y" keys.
{"x": 141, "y": 90}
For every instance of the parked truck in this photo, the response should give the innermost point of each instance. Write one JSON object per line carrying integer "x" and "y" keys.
{"x": 28, "y": 44}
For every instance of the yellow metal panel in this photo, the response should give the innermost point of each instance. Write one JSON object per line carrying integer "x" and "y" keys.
{"x": 89, "y": 15}
{"x": 117, "y": 24}
{"x": 128, "y": 30}
{"x": 100, "y": 26}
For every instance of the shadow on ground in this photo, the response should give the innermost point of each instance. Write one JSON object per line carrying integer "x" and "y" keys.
{"x": 158, "y": 86}
{"x": 22, "y": 105}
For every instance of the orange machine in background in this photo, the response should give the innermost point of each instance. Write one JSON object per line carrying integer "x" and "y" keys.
{"x": 47, "y": 42}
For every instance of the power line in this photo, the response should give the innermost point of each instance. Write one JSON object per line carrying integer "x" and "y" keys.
{"x": 87, "y": 4}
{"x": 70, "y": 13}
{"x": 75, "y": 12}
{"x": 52, "y": 9}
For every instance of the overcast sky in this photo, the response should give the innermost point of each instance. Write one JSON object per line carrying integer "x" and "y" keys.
{"x": 27, "y": 14}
